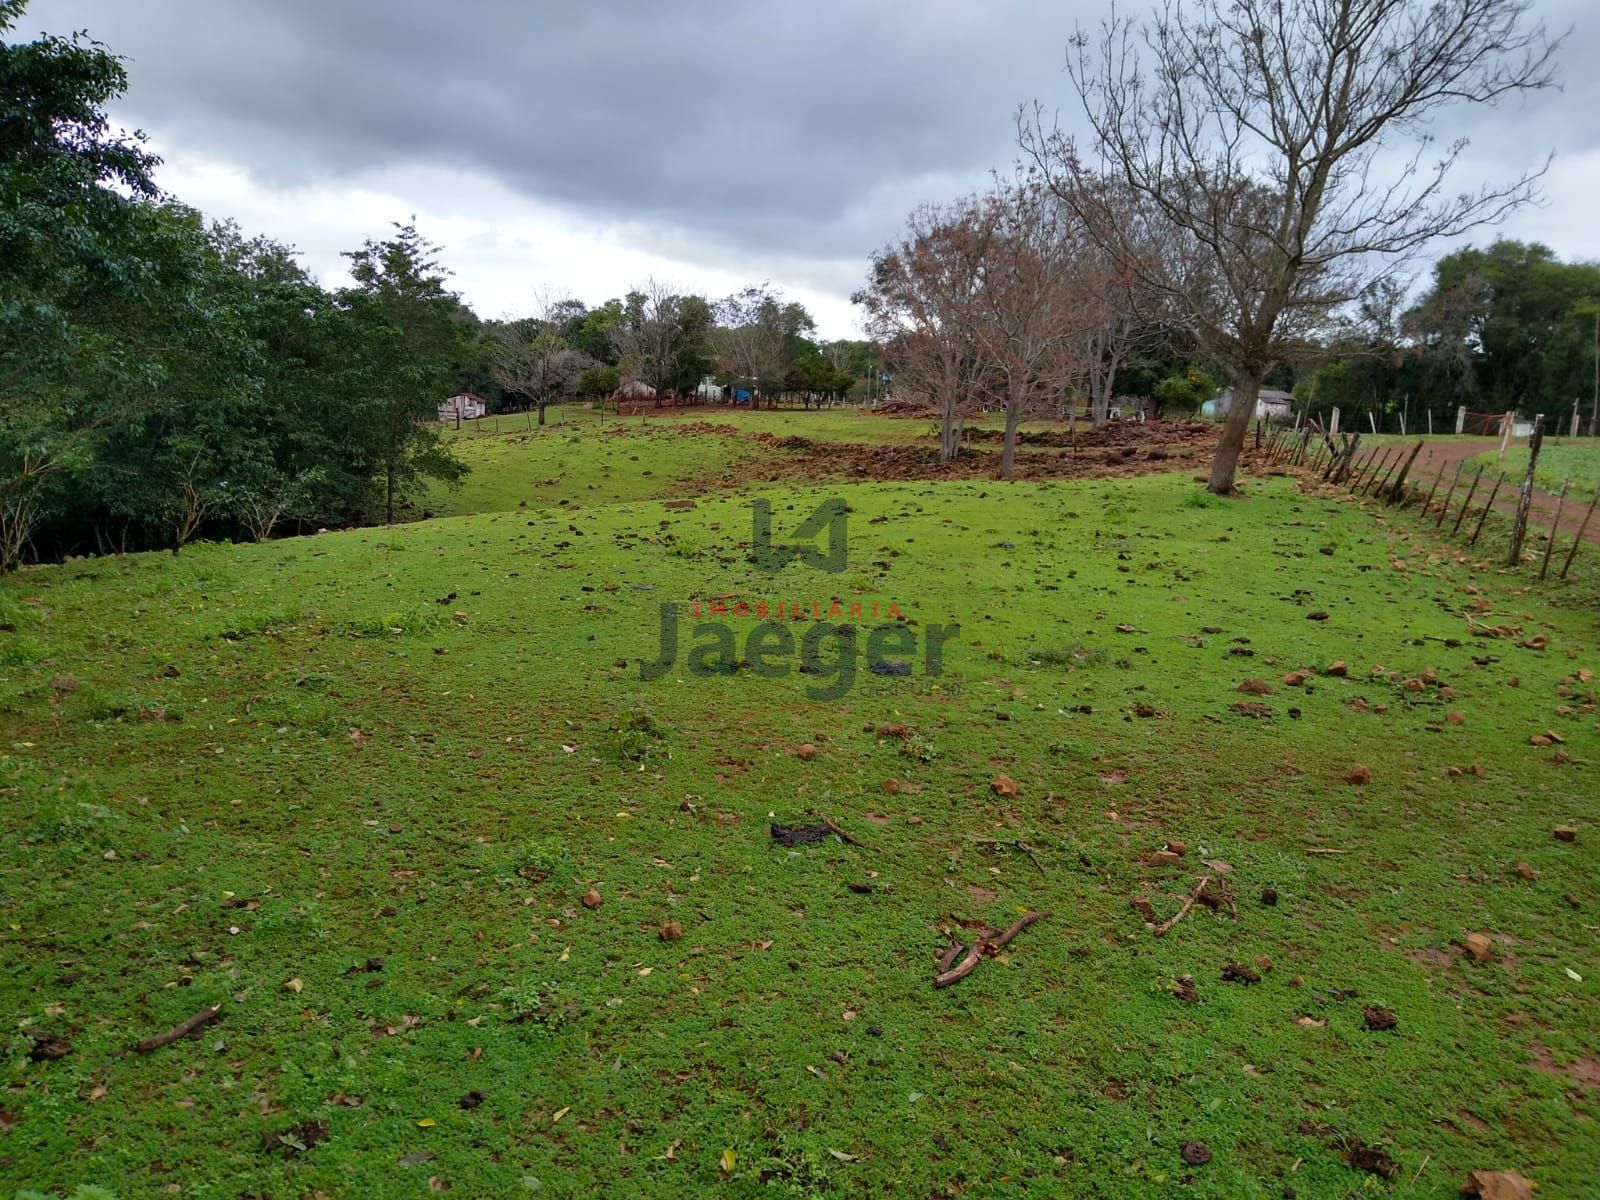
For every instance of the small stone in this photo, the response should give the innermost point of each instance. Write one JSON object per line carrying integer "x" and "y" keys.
{"x": 1360, "y": 774}
{"x": 591, "y": 899}
{"x": 1539, "y": 739}
{"x": 1526, "y": 871}
{"x": 1164, "y": 858}
{"x": 1196, "y": 1154}
{"x": 1178, "y": 848}
{"x": 1003, "y": 785}
{"x": 1479, "y": 945}
{"x": 805, "y": 751}
{"x": 671, "y": 931}
{"x": 1453, "y": 772}
{"x": 1339, "y": 669}
{"x": 1566, "y": 833}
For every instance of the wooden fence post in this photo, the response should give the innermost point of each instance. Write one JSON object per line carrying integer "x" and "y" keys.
{"x": 1400, "y": 483}
{"x": 1582, "y": 529}
{"x": 1450, "y": 495}
{"x": 1555, "y": 527}
{"x": 1456, "y": 528}
{"x": 1519, "y": 526}
{"x": 1484, "y": 515}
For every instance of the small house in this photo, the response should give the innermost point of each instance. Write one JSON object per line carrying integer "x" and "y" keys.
{"x": 1271, "y": 405}
{"x": 463, "y": 406}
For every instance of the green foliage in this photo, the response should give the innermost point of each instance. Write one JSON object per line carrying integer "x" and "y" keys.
{"x": 161, "y": 379}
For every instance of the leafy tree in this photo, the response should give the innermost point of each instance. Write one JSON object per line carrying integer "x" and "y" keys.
{"x": 413, "y": 336}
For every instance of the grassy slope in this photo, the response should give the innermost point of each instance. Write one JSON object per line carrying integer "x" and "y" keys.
{"x": 374, "y": 772}
{"x": 1578, "y": 462}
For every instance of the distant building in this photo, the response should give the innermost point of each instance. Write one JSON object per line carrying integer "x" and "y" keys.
{"x": 635, "y": 390}
{"x": 463, "y": 406}
{"x": 1271, "y": 405}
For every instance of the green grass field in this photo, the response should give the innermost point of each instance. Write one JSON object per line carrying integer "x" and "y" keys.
{"x": 1577, "y": 462}
{"x": 354, "y": 788}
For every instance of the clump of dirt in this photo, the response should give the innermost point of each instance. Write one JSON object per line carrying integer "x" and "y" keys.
{"x": 1239, "y": 973}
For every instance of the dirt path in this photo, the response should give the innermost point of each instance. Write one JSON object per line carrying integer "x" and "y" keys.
{"x": 1440, "y": 458}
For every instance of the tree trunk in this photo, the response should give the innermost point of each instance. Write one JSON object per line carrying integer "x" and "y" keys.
{"x": 388, "y": 489}
{"x": 541, "y": 412}
{"x": 1240, "y": 409}
{"x": 1008, "y": 448}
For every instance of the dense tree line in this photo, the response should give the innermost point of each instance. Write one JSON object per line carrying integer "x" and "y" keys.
{"x": 164, "y": 378}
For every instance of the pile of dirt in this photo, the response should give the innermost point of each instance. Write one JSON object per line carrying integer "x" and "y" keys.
{"x": 1112, "y": 433}
{"x": 905, "y": 408}
{"x": 812, "y": 459}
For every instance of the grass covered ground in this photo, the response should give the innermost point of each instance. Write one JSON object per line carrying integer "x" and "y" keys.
{"x": 355, "y": 788}
{"x": 1578, "y": 462}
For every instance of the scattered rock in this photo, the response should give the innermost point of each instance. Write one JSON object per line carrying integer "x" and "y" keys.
{"x": 805, "y": 751}
{"x": 1256, "y": 687}
{"x": 591, "y": 899}
{"x": 1339, "y": 669}
{"x": 1196, "y": 1154}
{"x": 1566, "y": 833}
{"x": 1479, "y": 945}
{"x": 1539, "y": 739}
{"x": 1379, "y": 1018}
{"x": 1296, "y": 678}
{"x": 891, "y": 787}
{"x": 1317, "y": 616}
{"x": 1360, "y": 775}
{"x": 1269, "y": 896}
{"x": 1164, "y": 858}
{"x": 1003, "y": 785}
{"x": 1239, "y": 973}
{"x": 1178, "y": 848}
{"x": 671, "y": 931}
{"x": 1526, "y": 871}
{"x": 860, "y": 887}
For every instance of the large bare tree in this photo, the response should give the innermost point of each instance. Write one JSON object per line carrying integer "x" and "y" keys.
{"x": 1032, "y": 312}
{"x": 530, "y": 355}
{"x": 662, "y": 332}
{"x": 1285, "y": 146}
{"x": 755, "y": 336}
{"x": 921, "y": 307}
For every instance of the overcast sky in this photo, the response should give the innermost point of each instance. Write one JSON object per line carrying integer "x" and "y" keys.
{"x": 582, "y": 146}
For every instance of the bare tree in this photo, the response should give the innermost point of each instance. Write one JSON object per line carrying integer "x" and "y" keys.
{"x": 755, "y": 336}
{"x": 920, "y": 303}
{"x": 661, "y": 332}
{"x": 1031, "y": 311}
{"x": 1283, "y": 143}
{"x": 530, "y": 355}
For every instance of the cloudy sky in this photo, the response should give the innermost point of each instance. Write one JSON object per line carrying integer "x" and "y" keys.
{"x": 580, "y": 147}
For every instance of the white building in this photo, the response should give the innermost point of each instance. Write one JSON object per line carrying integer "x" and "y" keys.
{"x": 1271, "y": 405}
{"x": 463, "y": 406}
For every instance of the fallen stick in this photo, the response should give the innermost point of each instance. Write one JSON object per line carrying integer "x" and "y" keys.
{"x": 1324, "y": 850}
{"x": 1019, "y": 844}
{"x": 986, "y": 941}
{"x": 182, "y": 1030}
{"x": 962, "y": 969}
{"x": 949, "y": 956}
{"x": 1017, "y": 927}
{"x": 1162, "y": 928}
{"x": 843, "y": 836}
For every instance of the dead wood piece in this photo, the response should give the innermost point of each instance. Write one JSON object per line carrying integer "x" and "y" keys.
{"x": 962, "y": 969}
{"x": 843, "y": 836}
{"x": 1017, "y": 927}
{"x": 1017, "y": 844}
{"x": 948, "y": 957}
{"x": 182, "y": 1030}
{"x": 989, "y": 942}
{"x": 1161, "y": 929}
